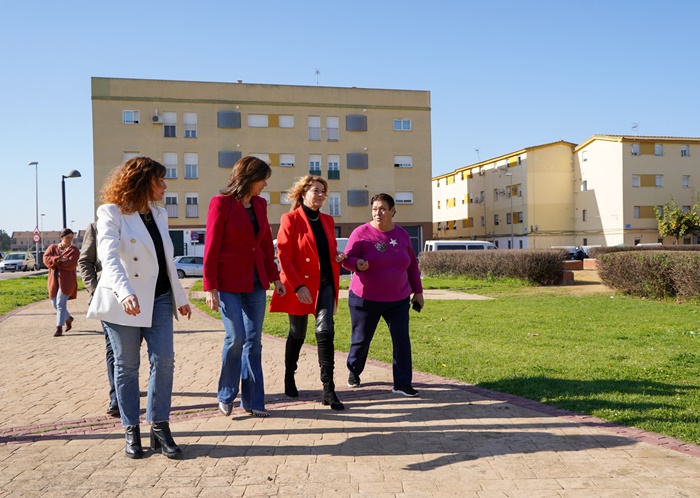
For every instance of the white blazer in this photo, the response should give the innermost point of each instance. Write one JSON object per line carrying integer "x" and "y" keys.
{"x": 130, "y": 266}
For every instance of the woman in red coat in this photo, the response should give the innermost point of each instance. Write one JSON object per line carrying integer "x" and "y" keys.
{"x": 308, "y": 257}
{"x": 62, "y": 259}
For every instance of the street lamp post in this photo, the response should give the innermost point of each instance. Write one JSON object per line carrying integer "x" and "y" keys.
{"x": 512, "y": 221}
{"x": 42, "y": 231}
{"x": 71, "y": 174}
{"x": 36, "y": 199}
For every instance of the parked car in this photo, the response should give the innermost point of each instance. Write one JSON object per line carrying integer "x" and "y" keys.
{"x": 458, "y": 245}
{"x": 189, "y": 266}
{"x": 18, "y": 261}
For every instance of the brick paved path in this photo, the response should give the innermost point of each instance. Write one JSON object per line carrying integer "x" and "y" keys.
{"x": 454, "y": 440}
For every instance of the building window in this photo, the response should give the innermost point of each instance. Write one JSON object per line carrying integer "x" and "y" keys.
{"x": 332, "y": 124}
{"x": 482, "y": 221}
{"x": 519, "y": 217}
{"x": 131, "y": 117}
{"x": 287, "y": 160}
{"x": 438, "y": 205}
{"x": 661, "y": 210}
{"x": 481, "y": 196}
{"x": 584, "y": 215}
{"x": 262, "y": 156}
{"x": 129, "y": 155}
{"x": 284, "y": 199}
{"x": 403, "y": 197}
{"x": 191, "y": 205}
{"x": 686, "y": 209}
{"x": 584, "y": 186}
{"x": 286, "y": 121}
{"x": 356, "y": 122}
{"x": 585, "y": 241}
{"x": 636, "y": 180}
{"x": 685, "y": 150}
{"x": 509, "y": 218}
{"x": 171, "y": 205}
{"x": 191, "y": 165}
{"x": 314, "y": 128}
{"x": 402, "y": 125}
{"x": 190, "y": 120}
{"x": 228, "y": 119}
{"x": 635, "y": 149}
{"x": 403, "y": 162}
{"x": 584, "y": 155}
{"x": 659, "y": 180}
{"x": 315, "y": 165}
{"x": 451, "y": 202}
{"x": 333, "y": 167}
{"x": 170, "y": 163}
{"x": 257, "y": 120}
{"x": 495, "y": 194}
{"x": 637, "y": 212}
{"x": 266, "y": 196}
{"x": 170, "y": 124}
{"x": 495, "y": 219}
{"x": 334, "y": 203}
{"x": 686, "y": 181}
{"x": 658, "y": 149}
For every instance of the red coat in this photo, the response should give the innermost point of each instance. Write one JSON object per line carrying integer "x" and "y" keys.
{"x": 67, "y": 278}
{"x": 232, "y": 249}
{"x": 298, "y": 257}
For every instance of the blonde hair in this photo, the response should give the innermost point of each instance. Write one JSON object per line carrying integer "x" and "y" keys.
{"x": 301, "y": 186}
{"x": 130, "y": 186}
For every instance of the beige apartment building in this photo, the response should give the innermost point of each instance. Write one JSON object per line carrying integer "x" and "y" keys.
{"x": 601, "y": 192}
{"x": 363, "y": 141}
{"x": 520, "y": 200}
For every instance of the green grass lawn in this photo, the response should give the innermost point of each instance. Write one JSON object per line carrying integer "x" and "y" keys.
{"x": 630, "y": 361}
{"x": 16, "y": 292}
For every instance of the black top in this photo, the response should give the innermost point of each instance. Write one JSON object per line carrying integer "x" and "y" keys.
{"x": 163, "y": 282}
{"x": 253, "y": 219}
{"x": 324, "y": 254}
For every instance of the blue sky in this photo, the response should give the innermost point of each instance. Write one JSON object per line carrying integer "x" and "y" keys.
{"x": 503, "y": 75}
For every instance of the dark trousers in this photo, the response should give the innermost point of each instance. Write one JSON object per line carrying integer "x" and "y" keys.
{"x": 109, "y": 358}
{"x": 325, "y": 333}
{"x": 365, "y": 315}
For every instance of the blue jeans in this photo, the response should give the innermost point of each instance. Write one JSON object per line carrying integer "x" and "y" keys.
{"x": 126, "y": 343}
{"x": 241, "y": 358}
{"x": 60, "y": 304}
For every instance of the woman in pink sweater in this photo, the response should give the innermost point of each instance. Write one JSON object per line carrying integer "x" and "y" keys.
{"x": 386, "y": 274}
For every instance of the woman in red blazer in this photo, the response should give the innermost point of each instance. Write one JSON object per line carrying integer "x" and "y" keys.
{"x": 238, "y": 268}
{"x": 307, "y": 252}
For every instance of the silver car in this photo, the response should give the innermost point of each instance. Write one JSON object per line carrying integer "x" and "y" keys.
{"x": 18, "y": 261}
{"x": 189, "y": 266}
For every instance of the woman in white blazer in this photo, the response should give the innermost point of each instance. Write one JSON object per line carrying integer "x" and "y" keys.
{"x": 137, "y": 295}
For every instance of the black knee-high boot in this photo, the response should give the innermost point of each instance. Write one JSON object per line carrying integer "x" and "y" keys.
{"x": 291, "y": 357}
{"x": 326, "y": 360}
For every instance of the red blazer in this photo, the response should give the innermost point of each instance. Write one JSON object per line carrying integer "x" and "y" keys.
{"x": 232, "y": 249}
{"x": 66, "y": 279}
{"x": 298, "y": 257}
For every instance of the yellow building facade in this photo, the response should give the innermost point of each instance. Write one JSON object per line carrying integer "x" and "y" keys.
{"x": 601, "y": 192}
{"x": 363, "y": 141}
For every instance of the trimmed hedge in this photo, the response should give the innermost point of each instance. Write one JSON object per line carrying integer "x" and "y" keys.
{"x": 539, "y": 266}
{"x": 652, "y": 274}
{"x": 597, "y": 251}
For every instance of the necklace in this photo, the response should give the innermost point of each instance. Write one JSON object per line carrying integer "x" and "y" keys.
{"x": 313, "y": 219}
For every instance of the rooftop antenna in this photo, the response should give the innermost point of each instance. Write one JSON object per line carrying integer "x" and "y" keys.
{"x": 478, "y": 156}
{"x": 635, "y": 127}
{"x": 318, "y": 73}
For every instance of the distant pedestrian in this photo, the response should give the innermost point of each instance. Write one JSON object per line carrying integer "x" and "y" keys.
{"x": 386, "y": 274}
{"x": 90, "y": 268}
{"x": 308, "y": 254}
{"x": 62, "y": 259}
{"x": 238, "y": 268}
{"x": 138, "y": 294}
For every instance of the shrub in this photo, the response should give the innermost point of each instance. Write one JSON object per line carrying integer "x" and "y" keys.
{"x": 654, "y": 274}
{"x": 540, "y": 266}
{"x": 597, "y": 251}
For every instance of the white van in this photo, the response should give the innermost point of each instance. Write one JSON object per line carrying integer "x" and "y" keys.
{"x": 458, "y": 245}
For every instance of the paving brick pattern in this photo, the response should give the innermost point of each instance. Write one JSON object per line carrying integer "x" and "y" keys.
{"x": 453, "y": 440}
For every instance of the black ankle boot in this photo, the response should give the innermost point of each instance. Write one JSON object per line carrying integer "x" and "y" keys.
{"x": 330, "y": 398}
{"x": 291, "y": 357}
{"x": 133, "y": 442}
{"x": 163, "y": 439}
{"x": 290, "y": 387}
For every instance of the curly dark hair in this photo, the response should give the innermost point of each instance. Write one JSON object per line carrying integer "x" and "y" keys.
{"x": 130, "y": 186}
{"x": 245, "y": 172}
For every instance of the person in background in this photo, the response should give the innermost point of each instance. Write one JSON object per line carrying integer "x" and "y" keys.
{"x": 308, "y": 256}
{"x": 238, "y": 268}
{"x": 90, "y": 269}
{"x": 138, "y": 294}
{"x": 386, "y": 274}
{"x": 62, "y": 259}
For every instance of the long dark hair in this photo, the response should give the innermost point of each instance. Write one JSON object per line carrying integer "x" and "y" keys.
{"x": 245, "y": 172}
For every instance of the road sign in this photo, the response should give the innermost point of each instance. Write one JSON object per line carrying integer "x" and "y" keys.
{"x": 194, "y": 236}
{"x": 36, "y": 237}
{"x": 36, "y": 231}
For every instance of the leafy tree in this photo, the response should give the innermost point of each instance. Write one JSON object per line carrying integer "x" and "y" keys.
{"x": 674, "y": 221}
{"x": 5, "y": 241}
